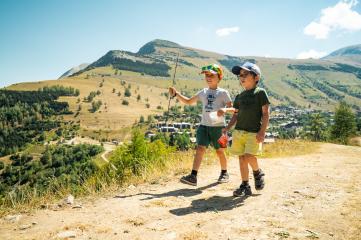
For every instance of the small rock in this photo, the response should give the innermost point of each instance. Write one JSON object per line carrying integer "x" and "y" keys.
{"x": 34, "y": 223}
{"x": 126, "y": 231}
{"x": 66, "y": 234}
{"x": 13, "y": 218}
{"x": 311, "y": 234}
{"x": 25, "y": 226}
{"x": 171, "y": 235}
{"x": 131, "y": 187}
{"x": 53, "y": 206}
{"x": 69, "y": 199}
{"x": 292, "y": 211}
{"x": 78, "y": 206}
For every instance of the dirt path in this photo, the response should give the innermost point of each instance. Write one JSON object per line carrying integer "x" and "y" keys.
{"x": 108, "y": 148}
{"x": 316, "y": 196}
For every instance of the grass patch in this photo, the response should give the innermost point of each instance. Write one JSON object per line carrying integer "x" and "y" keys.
{"x": 287, "y": 148}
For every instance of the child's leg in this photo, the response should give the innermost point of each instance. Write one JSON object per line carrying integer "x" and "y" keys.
{"x": 192, "y": 177}
{"x": 243, "y": 165}
{"x": 257, "y": 172}
{"x": 224, "y": 176}
{"x": 244, "y": 189}
{"x": 198, "y": 157}
{"x": 222, "y": 158}
{"x": 252, "y": 160}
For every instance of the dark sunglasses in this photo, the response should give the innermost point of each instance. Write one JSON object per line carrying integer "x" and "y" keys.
{"x": 244, "y": 75}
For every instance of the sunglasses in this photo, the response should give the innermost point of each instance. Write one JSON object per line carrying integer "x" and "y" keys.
{"x": 210, "y": 67}
{"x": 244, "y": 75}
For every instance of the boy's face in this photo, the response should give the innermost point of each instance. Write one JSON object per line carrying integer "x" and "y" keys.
{"x": 247, "y": 80}
{"x": 211, "y": 79}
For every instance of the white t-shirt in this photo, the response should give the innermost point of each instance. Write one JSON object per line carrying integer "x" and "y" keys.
{"x": 213, "y": 100}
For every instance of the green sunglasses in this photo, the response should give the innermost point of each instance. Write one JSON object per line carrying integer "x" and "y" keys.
{"x": 210, "y": 67}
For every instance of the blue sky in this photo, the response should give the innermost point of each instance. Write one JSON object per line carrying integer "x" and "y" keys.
{"x": 42, "y": 39}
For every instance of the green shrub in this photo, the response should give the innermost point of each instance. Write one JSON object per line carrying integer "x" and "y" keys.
{"x": 345, "y": 123}
{"x": 181, "y": 141}
{"x": 136, "y": 156}
{"x": 127, "y": 92}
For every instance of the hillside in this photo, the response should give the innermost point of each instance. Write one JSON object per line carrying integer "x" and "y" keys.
{"x": 316, "y": 84}
{"x": 350, "y": 54}
{"x": 317, "y": 198}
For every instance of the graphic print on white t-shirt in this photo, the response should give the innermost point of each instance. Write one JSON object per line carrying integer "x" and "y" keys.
{"x": 213, "y": 100}
{"x": 210, "y": 100}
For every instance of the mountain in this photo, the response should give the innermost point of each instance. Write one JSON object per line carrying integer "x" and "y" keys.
{"x": 350, "y": 55}
{"x": 74, "y": 70}
{"x": 315, "y": 83}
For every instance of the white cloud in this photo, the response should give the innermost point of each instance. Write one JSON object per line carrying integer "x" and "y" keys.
{"x": 222, "y": 32}
{"x": 311, "y": 54}
{"x": 338, "y": 17}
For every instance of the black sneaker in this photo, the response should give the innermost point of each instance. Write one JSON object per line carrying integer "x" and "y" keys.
{"x": 259, "y": 180}
{"x": 189, "y": 179}
{"x": 243, "y": 190}
{"x": 223, "y": 178}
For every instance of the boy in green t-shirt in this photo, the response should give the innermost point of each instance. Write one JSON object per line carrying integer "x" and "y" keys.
{"x": 251, "y": 116}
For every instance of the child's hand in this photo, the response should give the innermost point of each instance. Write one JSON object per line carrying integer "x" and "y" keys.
{"x": 172, "y": 91}
{"x": 221, "y": 112}
{"x": 260, "y": 136}
{"x": 225, "y": 130}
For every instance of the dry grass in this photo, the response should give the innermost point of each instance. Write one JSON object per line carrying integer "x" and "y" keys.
{"x": 112, "y": 115}
{"x": 355, "y": 141}
{"x": 103, "y": 185}
{"x": 137, "y": 221}
{"x": 288, "y": 148}
{"x": 194, "y": 235}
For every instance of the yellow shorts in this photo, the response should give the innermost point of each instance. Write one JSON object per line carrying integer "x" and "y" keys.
{"x": 245, "y": 142}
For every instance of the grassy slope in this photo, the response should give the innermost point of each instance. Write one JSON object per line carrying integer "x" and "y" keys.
{"x": 116, "y": 116}
{"x": 275, "y": 73}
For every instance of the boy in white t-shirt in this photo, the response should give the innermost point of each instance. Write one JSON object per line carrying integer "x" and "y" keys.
{"x": 214, "y": 101}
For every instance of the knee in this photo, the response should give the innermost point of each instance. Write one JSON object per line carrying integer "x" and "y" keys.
{"x": 201, "y": 149}
{"x": 249, "y": 156}
{"x": 220, "y": 151}
{"x": 243, "y": 159}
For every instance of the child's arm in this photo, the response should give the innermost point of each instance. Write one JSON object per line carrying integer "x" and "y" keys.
{"x": 173, "y": 92}
{"x": 231, "y": 122}
{"x": 228, "y": 107}
{"x": 265, "y": 120}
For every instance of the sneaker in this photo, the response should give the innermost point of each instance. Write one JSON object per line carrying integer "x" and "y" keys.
{"x": 189, "y": 179}
{"x": 243, "y": 190}
{"x": 223, "y": 178}
{"x": 259, "y": 180}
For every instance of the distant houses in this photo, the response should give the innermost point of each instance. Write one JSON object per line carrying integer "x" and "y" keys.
{"x": 284, "y": 120}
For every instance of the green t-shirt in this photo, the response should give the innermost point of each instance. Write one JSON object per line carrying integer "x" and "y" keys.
{"x": 249, "y": 104}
